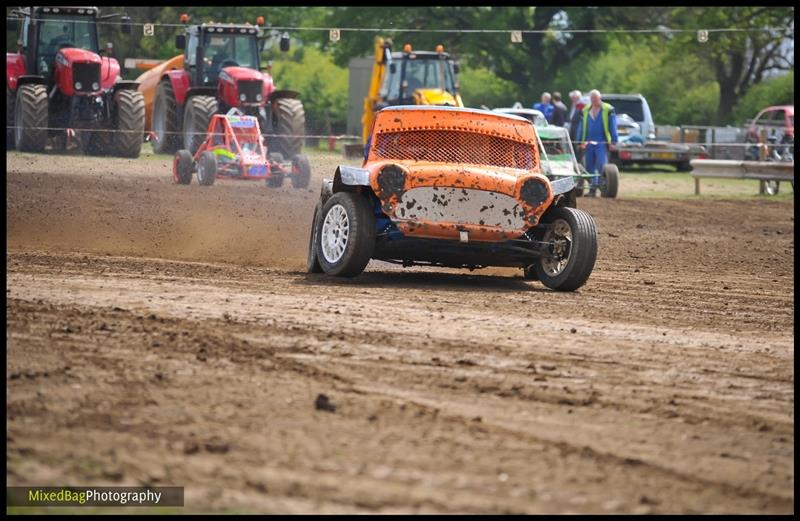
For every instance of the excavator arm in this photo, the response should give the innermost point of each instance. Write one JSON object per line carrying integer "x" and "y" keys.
{"x": 383, "y": 57}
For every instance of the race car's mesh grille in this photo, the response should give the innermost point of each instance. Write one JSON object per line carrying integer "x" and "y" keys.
{"x": 454, "y": 146}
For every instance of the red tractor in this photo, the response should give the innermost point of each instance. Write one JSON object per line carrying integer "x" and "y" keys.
{"x": 233, "y": 148}
{"x": 219, "y": 70}
{"x": 60, "y": 81}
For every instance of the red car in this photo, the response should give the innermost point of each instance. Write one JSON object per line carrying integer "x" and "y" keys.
{"x": 772, "y": 134}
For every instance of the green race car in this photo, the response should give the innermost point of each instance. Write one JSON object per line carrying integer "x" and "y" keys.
{"x": 558, "y": 160}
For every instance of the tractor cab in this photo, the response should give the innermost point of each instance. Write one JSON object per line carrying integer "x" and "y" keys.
{"x": 210, "y": 48}
{"x": 47, "y": 30}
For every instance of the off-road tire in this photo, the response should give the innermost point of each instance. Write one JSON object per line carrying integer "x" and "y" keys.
{"x": 197, "y": 115}
{"x": 31, "y": 118}
{"x": 11, "y": 98}
{"x": 683, "y": 166}
{"x": 301, "y": 171}
{"x": 206, "y": 168}
{"x": 289, "y": 122}
{"x": 312, "y": 262}
{"x": 610, "y": 175}
{"x": 182, "y": 166}
{"x": 360, "y": 243}
{"x": 97, "y": 142}
{"x": 582, "y": 254}
{"x": 129, "y": 120}
{"x": 165, "y": 107}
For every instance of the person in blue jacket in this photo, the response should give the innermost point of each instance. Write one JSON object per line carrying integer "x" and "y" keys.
{"x": 545, "y": 107}
{"x": 597, "y": 133}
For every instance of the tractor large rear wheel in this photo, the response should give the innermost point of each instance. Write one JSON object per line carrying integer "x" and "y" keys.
{"x": 11, "y": 98}
{"x": 129, "y": 121}
{"x": 289, "y": 123}
{"x": 197, "y": 115}
{"x": 165, "y": 120}
{"x": 30, "y": 117}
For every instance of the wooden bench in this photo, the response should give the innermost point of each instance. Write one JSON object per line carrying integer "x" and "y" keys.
{"x": 761, "y": 171}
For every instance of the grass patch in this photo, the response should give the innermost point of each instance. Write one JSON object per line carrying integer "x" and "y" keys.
{"x": 679, "y": 185}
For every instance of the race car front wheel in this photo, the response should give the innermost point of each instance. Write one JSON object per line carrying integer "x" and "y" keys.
{"x": 312, "y": 262}
{"x": 346, "y": 234}
{"x": 573, "y": 237}
{"x": 207, "y": 168}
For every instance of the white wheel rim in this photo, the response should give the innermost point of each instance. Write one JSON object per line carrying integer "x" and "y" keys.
{"x": 772, "y": 187}
{"x": 560, "y": 230}
{"x": 335, "y": 233}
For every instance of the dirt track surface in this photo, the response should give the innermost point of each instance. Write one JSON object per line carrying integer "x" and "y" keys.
{"x": 162, "y": 334}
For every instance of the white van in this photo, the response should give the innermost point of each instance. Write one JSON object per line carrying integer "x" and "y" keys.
{"x": 635, "y": 106}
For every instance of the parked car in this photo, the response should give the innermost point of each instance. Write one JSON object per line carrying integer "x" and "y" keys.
{"x": 534, "y": 116}
{"x": 635, "y": 106}
{"x": 773, "y": 127}
{"x": 637, "y": 138}
{"x": 771, "y": 135}
{"x": 456, "y": 187}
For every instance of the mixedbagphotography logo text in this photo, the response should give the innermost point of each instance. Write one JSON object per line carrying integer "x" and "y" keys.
{"x": 94, "y": 496}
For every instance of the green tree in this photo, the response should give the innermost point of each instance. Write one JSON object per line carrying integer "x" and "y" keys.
{"x": 739, "y": 60}
{"x": 322, "y": 86}
{"x": 531, "y": 64}
{"x": 773, "y": 91}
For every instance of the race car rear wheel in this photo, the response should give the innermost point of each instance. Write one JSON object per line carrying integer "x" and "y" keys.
{"x": 346, "y": 238}
{"x": 301, "y": 171}
{"x": 574, "y": 236}
{"x": 312, "y": 262}
{"x": 610, "y": 180}
{"x": 182, "y": 167}
{"x": 206, "y": 168}
{"x": 275, "y": 179}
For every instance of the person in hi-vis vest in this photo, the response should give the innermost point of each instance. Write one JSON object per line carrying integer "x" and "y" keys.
{"x": 597, "y": 129}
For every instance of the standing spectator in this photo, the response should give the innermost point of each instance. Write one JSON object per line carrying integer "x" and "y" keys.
{"x": 559, "y": 111}
{"x": 574, "y": 98}
{"x": 545, "y": 107}
{"x": 597, "y": 129}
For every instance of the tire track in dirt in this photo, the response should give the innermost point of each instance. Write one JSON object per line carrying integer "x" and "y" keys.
{"x": 664, "y": 385}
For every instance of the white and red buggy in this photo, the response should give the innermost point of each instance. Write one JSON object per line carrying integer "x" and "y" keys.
{"x": 234, "y": 149}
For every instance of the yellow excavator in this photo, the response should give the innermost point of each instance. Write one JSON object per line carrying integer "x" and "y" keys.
{"x": 409, "y": 78}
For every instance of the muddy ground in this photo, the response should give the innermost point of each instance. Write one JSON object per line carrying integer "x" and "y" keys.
{"x": 162, "y": 334}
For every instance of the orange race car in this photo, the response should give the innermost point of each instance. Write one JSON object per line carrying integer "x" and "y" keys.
{"x": 452, "y": 187}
